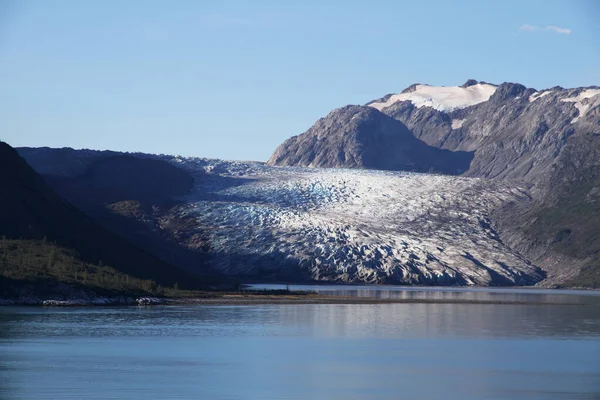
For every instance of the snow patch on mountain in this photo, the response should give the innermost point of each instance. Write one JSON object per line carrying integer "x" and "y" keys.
{"x": 442, "y": 98}
{"x": 457, "y": 123}
{"x": 580, "y": 102}
{"x": 585, "y": 94}
{"x": 539, "y": 95}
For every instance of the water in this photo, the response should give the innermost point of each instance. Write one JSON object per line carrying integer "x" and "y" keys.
{"x": 375, "y": 351}
{"x": 527, "y": 294}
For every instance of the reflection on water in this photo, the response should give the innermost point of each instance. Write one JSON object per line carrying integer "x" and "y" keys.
{"x": 534, "y": 295}
{"x": 385, "y": 351}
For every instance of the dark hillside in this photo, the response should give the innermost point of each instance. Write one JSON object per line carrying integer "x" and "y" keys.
{"x": 30, "y": 210}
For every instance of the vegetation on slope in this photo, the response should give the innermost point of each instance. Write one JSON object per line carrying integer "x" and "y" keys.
{"x": 37, "y": 266}
{"x": 30, "y": 211}
{"x": 128, "y": 196}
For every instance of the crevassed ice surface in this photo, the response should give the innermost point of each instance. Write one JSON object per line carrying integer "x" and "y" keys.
{"x": 352, "y": 225}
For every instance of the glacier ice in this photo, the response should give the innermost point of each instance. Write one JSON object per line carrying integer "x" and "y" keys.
{"x": 347, "y": 225}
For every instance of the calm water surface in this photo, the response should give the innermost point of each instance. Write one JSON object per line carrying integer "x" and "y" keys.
{"x": 532, "y": 294}
{"x": 386, "y": 351}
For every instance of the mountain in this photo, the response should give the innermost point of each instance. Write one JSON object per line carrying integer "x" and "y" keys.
{"x": 363, "y": 137}
{"x": 546, "y": 141}
{"x": 514, "y": 131}
{"x": 503, "y": 131}
{"x": 370, "y": 194}
{"x": 129, "y": 195}
{"x": 31, "y": 212}
{"x": 122, "y": 177}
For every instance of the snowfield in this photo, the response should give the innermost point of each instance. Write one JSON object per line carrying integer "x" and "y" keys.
{"x": 351, "y": 225}
{"x": 457, "y": 123}
{"x": 442, "y": 98}
{"x": 539, "y": 95}
{"x": 581, "y": 102}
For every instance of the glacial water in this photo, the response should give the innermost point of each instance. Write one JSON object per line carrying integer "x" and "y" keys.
{"x": 549, "y": 349}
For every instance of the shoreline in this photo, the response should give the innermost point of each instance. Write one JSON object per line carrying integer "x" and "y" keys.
{"x": 259, "y": 299}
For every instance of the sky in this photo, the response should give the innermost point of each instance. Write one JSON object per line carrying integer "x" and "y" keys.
{"x": 234, "y": 79}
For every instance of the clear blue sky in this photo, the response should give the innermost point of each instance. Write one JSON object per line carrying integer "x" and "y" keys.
{"x": 233, "y": 79}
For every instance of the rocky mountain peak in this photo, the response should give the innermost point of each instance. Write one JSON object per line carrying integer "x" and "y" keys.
{"x": 509, "y": 90}
{"x": 363, "y": 137}
{"x": 411, "y": 88}
{"x": 469, "y": 82}
{"x": 513, "y": 131}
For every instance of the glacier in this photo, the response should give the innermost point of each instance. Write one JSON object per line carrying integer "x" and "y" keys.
{"x": 349, "y": 225}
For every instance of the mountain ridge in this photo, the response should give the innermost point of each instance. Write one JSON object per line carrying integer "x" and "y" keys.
{"x": 502, "y": 130}
{"x": 362, "y": 137}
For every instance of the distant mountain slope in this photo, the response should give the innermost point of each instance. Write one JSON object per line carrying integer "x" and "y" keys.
{"x": 362, "y": 137}
{"x": 30, "y": 210}
{"x": 123, "y": 177}
{"x": 62, "y": 161}
{"x": 129, "y": 195}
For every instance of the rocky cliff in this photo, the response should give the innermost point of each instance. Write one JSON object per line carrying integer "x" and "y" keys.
{"x": 363, "y": 137}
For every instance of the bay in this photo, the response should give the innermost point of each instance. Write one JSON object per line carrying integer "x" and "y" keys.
{"x": 312, "y": 351}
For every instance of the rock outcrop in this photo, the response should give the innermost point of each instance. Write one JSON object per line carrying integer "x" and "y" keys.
{"x": 363, "y": 137}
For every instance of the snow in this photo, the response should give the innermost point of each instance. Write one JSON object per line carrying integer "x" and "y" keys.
{"x": 585, "y": 94}
{"x": 582, "y": 108}
{"x": 579, "y": 101}
{"x": 457, "y": 123}
{"x": 539, "y": 95}
{"x": 349, "y": 225}
{"x": 442, "y": 98}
